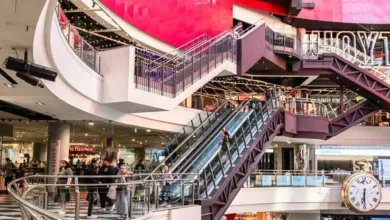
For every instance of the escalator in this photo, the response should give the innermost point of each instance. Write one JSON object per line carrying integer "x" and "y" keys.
{"x": 195, "y": 131}
{"x": 222, "y": 174}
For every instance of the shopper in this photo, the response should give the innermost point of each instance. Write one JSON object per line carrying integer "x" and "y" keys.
{"x": 63, "y": 194}
{"x": 9, "y": 170}
{"x": 20, "y": 174}
{"x": 141, "y": 166}
{"x": 122, "y": 194}
{"x": 106, "y": 170}
{"x": 92, "y": 170}
{"x": 115, "y": 166}
{"x": 225, "y": 142}
{"x": 166, "y": 192}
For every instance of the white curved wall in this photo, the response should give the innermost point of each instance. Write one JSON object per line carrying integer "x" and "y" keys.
{"x": 280, "y": 199}
{"x": 80, "y": 99}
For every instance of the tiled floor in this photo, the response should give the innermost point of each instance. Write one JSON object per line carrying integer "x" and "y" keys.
{"x": 9, "y": 210}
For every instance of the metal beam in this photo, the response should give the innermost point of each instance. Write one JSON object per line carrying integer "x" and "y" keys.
{"x": 82, "y": 10}
{"x": 106, "y": 31}
{"x": 102, "y": 36}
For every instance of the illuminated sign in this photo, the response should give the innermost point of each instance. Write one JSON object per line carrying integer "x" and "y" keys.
{"x": 352, "y": 43}
{"x": 80, "y": 150}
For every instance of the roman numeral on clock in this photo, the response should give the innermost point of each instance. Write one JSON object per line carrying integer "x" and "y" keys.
{"x": 357, "y": 204}
{"x": 375, "y": 199}
{"x": 353, "y": 199}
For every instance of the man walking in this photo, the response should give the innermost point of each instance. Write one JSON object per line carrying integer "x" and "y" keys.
{"x": 106, "y": 170}
{"x": 92, "y": 170}
{"x": 10, "y": 170}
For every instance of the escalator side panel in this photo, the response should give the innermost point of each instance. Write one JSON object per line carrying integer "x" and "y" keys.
{"x": 215, "y": 206}
{"x": 351, "y": 117}
{"x": 355, "y": 78}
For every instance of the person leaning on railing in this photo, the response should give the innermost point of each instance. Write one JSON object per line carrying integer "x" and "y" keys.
{"x": 9, "y": 170}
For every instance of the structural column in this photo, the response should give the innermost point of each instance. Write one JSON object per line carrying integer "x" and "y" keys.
{"x": 58, "y": 146}
{"x": 301, "y": 157}
{"x": 39, "y": 152}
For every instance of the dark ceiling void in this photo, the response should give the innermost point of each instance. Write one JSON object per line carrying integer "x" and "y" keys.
{"x": 87, "y": 24}
{"x": 23, "y": 112}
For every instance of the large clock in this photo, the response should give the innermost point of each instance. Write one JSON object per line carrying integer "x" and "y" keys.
{"x": 361, "y": 192}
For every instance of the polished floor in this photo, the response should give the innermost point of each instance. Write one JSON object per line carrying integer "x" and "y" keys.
{"x": 9, "y": 210}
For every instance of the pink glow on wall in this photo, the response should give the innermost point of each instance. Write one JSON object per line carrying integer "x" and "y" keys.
{"x": 349, "y": 11}
{"x": 175, "y": 21}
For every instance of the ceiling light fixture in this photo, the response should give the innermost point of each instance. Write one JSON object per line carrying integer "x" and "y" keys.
{"x": 148, "y": 130}
{"x": 40, "y": 103}
{"x": 91, "y": 123}
{"x": 9, "y": 85}
{"x": 135, "y": 130}
{"x": 86, "y": 134}
{"x": 133, "y": 139}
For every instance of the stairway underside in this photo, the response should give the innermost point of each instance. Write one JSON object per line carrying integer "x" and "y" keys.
{"x": 353, "y": 77}
{"x": 215, "y": 206}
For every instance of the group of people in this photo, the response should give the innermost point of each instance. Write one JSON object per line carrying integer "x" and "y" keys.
{"x": 11, "y": 171}
{"x": 101, "y": 186}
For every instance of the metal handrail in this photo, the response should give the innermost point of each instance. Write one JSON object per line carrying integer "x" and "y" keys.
{"x": 185, "y": 53}
{"x": 186, "y": 139}
{"x": 34, "y": 209}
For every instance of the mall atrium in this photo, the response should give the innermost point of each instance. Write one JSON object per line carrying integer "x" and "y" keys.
{"x": 195, "y": 109}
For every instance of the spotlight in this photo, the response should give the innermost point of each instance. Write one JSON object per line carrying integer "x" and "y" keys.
{"x": 22, "y": 66}
{"x": 29, "y": 79}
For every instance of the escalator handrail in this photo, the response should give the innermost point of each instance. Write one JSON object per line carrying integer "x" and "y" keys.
{"x": 218, "y": 130}
{"x": 186, "y": 139}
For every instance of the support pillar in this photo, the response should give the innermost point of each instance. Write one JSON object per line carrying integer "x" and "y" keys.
{"x": 58, "y": 145}
{"x": 301, "y": 157}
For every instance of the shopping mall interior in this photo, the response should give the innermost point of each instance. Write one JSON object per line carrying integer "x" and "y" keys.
{"x": 196, "y": 109}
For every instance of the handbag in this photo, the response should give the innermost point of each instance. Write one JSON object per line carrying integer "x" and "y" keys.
{"x": 112, "y": 192}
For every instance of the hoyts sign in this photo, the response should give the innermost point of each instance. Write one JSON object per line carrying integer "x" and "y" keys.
{"x": 374, "y": 45}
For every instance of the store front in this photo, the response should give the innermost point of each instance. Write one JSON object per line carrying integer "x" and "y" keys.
{"x": 83, "y": 153}
{"x": 354, "y": 217}
{"x": 342, "y": 157}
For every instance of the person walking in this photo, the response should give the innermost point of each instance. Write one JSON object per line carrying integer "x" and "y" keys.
{"x": 92, "y": 170}
{"x": 63, "y": 194}
{"x": 20, "y": 174}
{"x": 9, "y": 169}
{"x": 122, "y": 194}
{"x": 166, "y": 192}
{"x": 106, "y": 170}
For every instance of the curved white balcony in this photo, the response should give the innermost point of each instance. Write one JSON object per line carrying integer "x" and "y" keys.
{"x": 112, "y": 94}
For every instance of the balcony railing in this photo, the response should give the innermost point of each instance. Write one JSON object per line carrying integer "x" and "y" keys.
{"x": 141, "y": 196}
{"x": 170, "y": 76}
{"x": 283, "y": 43}
{"x": 86, "y": 52}
{"x": 299, "y": 178}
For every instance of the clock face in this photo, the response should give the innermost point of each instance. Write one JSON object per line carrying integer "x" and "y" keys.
{"x": 362, "y": 193}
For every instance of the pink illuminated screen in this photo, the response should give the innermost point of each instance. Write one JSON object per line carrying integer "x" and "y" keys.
{"x": 175, "y": 21}
{"x": 349, "y": 11}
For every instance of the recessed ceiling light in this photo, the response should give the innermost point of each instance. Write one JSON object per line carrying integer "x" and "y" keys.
{"x": 133, "y": 139}
{"x": 135, "y": 130}
{"x": 40, "y": 103}
{"x": 276, "y": 145}
{"x": 91, "y": 123}
{"x": 148, "y": 130}
{"x": 86, "y": 134}
{"x": 9, "y": 85}
{"x": 140, "y": 142}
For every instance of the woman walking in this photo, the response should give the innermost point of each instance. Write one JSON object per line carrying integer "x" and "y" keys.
{"x": 63, "y": 194}
{"x": 122, "y": 194}
{"x": 19, "y": 174}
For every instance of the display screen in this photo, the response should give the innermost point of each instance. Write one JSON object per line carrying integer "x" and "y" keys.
{"x": 384, "y": 218}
